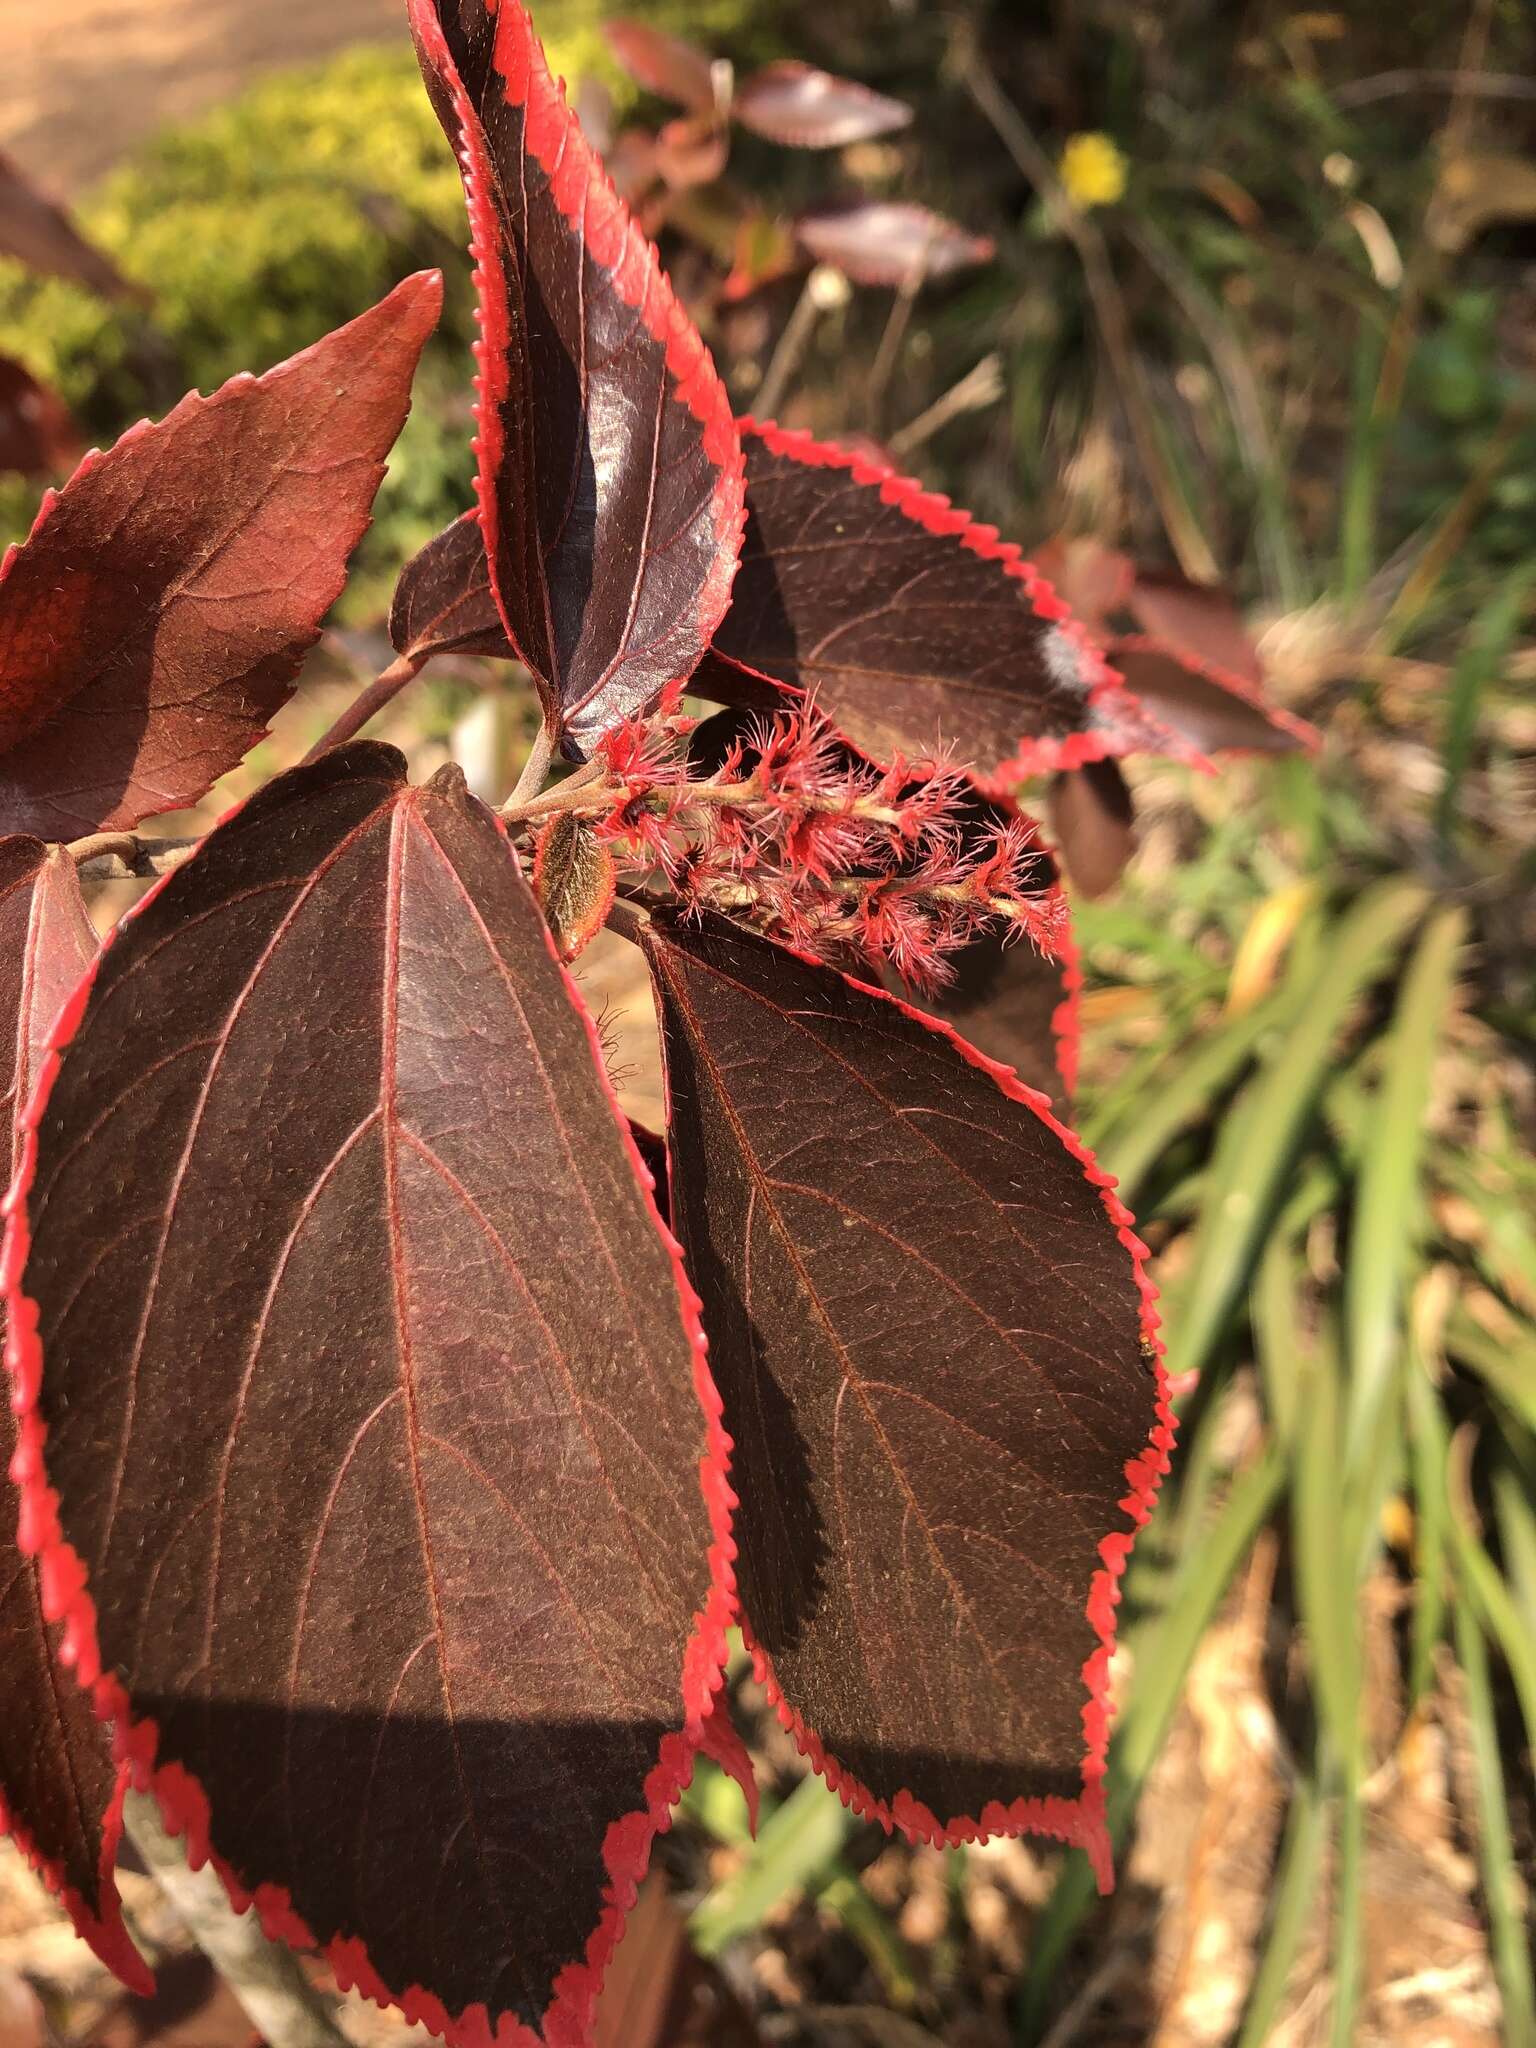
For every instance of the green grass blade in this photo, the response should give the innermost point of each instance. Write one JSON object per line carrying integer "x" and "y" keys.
{"x": 1427, "y": 1439}
{"x": 1349, "y": 1908}
{"x": 1162, "y": 1651}
{"x": 1258, "y": 1144}
{"x": 1381, "y": 1241}
{"x": 1296, "y": 1876}
{"x": 1502, "y": 1889}
{"x": 1325, "y": 1583}
{"x": 1483, "y": 655}
{"x": 846, "y": 1899}
{"x": 795, "y": 1850}
{"x": 1480, "y": 1577}
{"x": 1517, "y": 1536}
{"x": 1357, "y": 498}
{"x": 1132, "y": 1148}
{"x": 715, "y": 1803}
{"x": 1507, "y": 1369}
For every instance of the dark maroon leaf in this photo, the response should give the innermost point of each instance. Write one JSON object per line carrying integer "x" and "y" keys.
{"x": 59, "y": 1793}
{"x": 1212, "y": 708}
{"x": 1093, "y": 823}
{"x": 417, "y": 1608}
{"x": 443, "y": 602}
{"x": 1018, "y": 1006}
{"x": 156, "y": 618}
{"x": 38, "y": 435}
{"x": 1198, "y": 620}
{"x": 890, "y": 241}
{"x": 610, "y": 472}
{"x": 573, "y": 878}
{"x": 1194, "y": 666}
{"x": 665, "y": 65}
{"x": 809, "y": 109}
{"x": 42, "y": 235}
{"x": 916, "y": 629}
{"x": 928, "y": 1321}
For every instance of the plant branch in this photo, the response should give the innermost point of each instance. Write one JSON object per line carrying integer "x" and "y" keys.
{"x": 264, "y": 1975}
{"x": 586, "y": 797}
{"x": 891, "y": 340}
{"x": 120, "y": 856}
{"x": 535, "y": 771}
{"x": 368, "y": 704}
{"x": 823, "y": 290}
{"x": 980, "y": 386}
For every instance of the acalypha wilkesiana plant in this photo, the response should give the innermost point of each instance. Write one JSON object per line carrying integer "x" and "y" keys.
{"x": 395, "y": 1431}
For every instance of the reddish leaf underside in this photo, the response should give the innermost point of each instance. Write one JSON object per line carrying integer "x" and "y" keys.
{"x": 42, "y": 235}
{"x": 1193, "y": 664}
{"x": 1213, "y": 708}
{"x": 59, "y": 1792}
{"x": 1093, "y": 825}
{"x": 916, "y": 629}
{"x": 443, "y": 602}
{"x": 157, "y": 616}
{"x": 663, "y": 64}
{"x": 417, "y": 1608}
{"x": 934, "y": 1340}
{"x": 610, "y": 474}
{"x": 804, "y": 108}
{"x": 890, "y": 241}
{"x": 38, "y": 435}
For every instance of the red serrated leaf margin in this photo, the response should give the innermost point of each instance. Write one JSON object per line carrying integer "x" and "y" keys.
{"x": 1123, "y": 725}
{"x": 1306, "y": 736}
{"x": 1067, "y": 1017}
{"x": 585, "y": 196}
{"x": 98, "y": 1922}
{"x": 183, "y": 1803}
{"x": 1081, "y": 1822}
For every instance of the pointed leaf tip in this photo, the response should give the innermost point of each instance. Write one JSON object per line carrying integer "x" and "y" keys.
{"x": 442, "y": 1548}
{"x": 157, "y": 616}
{"x": 610, "y": 472}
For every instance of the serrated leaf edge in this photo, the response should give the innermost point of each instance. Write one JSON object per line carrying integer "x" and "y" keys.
{"x": 182, "y": 1800}
{"x": 1123, "y": 724}
{"x": 1081, "y": 1822}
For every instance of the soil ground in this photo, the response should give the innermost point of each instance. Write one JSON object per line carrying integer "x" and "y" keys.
{"x": 82, "y": 80}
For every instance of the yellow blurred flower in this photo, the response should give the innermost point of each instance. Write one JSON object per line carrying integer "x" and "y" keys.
{"x": 1093, "y": 170}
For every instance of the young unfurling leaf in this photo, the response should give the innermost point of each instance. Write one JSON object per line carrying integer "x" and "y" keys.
{"x": 610, "y": 473}
{"x": 573, "y": 878}
{"x": 157, "y": 616}
{"x": 59, "y": 1788}
{"x": 929, "y": 1326}
{"x": 416, "y": 1610}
